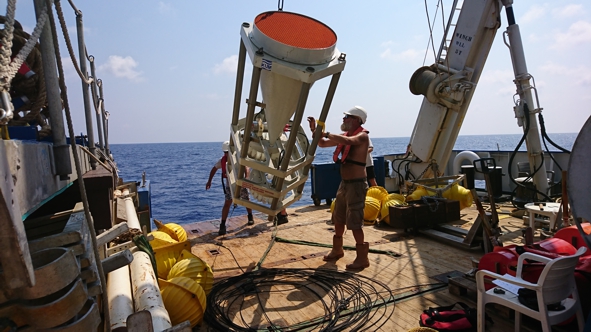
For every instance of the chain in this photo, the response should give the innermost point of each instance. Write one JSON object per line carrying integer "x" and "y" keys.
{"x": 424, "y": 199}
{"x": 424, "y": 171}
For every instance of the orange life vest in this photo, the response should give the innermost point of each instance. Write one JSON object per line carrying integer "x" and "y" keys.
{"x": 344, "y": 148}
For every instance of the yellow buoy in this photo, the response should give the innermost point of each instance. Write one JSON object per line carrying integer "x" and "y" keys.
{"x": 417, "y": 194}
{"x": 191, "y": 266}
{"x": 378, "y": 193}
{"x": 385, "y": 212}
{"x": 332, "y": 205}
{"x": 459, "y": 193}
{"x": 372, "y": 208}
{"x": 395, "y": 196}
{"x": 160, "y": 239}
{"x": 184, "y": 299}
{"x": 176, "y": 231}
{"x": 166, "y": 256}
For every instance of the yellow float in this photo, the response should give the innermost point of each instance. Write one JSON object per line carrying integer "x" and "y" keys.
{"x": 191, "y": 266}
{"x": 184, "y": 299}
{"x": 161, "y": 239}
{"x": 176, "y": 231}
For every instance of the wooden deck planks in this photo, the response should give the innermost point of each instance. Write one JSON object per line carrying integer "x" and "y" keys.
{"x": 421, "y": 259}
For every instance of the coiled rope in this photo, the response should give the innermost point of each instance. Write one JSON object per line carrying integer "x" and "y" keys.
{"x": 14, "y": 38}
{"x": 345, "y": 300}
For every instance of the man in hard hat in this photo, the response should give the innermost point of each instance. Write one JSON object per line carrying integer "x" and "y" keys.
{"x": 351, "y": 153}
{"x": 221, "y": 163}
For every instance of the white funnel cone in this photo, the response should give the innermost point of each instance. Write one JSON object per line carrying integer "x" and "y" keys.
{"x": 280, "y": 94}
{"x": 299, "y": 41}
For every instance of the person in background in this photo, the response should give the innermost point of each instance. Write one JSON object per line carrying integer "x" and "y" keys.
{"x": 371, "y": 175}
{"x": 221, "y": 163}
{"x": 351, "y": 152}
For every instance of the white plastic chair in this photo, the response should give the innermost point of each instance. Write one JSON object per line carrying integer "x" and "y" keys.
{"x": 555, "y": 284}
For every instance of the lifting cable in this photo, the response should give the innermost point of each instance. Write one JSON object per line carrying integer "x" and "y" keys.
{"x": 324, "y": 245}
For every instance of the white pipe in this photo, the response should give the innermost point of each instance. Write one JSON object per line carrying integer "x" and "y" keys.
{"x": 146, "y": 293}
{"x": 119, "y": 296}
{"x": 132, "y": 220}
{"x": 464, "y": 155}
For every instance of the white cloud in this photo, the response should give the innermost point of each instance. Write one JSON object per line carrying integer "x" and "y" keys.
{"x": 387, "y": 43}
{"x": 228, "y": 65}
{"x": 578, "y": 33}
{"x": 581, "y": 74}
{"x": 68, "y": 67}
{"x": 407, "y": 55}
{"x": 165, "y": 8}
{"x": 498, "y": 76}
{"x": 124, "y": 67}
{"x": 213, "y": 96}
{"x": 534, "y": 13}
{"x": 568, "y": 11}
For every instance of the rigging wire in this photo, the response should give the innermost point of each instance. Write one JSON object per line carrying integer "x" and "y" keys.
{"x": 430, "y": 33}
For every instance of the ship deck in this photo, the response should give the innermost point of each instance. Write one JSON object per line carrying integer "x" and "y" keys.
{"x": 414, "y": 267}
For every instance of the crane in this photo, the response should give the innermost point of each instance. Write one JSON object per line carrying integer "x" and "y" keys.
{"x": 449, "y": 84}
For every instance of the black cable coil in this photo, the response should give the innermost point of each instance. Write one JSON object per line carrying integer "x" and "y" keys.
{"x": 348, "y": 301}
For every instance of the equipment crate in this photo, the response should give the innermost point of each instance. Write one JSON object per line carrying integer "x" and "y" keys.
{"x": 325, "y": 181}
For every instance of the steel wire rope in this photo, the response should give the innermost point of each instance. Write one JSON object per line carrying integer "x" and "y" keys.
{"x": 302, "y": 326}
{"x": 77, "y": 163}
{"x": 220, "y": 244}
{"x": 350, "y": 301}
{"x": 430, "y": 42}
{"x": 324, "y": 245}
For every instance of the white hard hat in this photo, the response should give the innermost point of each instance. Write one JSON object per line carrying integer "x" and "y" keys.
{"x": 359, "y": 112}
{"x": 226, "y": 146}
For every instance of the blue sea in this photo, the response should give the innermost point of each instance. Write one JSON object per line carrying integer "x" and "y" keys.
{"x": 178, "y": 172}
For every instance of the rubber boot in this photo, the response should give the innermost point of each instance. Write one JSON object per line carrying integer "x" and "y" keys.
{"x": 362, "y": 259}
{"x": 337, "y": 249}
{"x": 222, "y": 230}
{"x": 281, "y": 219}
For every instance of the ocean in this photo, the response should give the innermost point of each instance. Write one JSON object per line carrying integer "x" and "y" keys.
{"x": 178, "y": 172}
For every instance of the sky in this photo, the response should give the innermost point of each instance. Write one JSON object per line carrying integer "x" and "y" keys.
{"x": 169, "y": 67}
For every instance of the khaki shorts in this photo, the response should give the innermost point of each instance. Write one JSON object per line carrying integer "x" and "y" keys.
{"x": 350, "y": 202}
